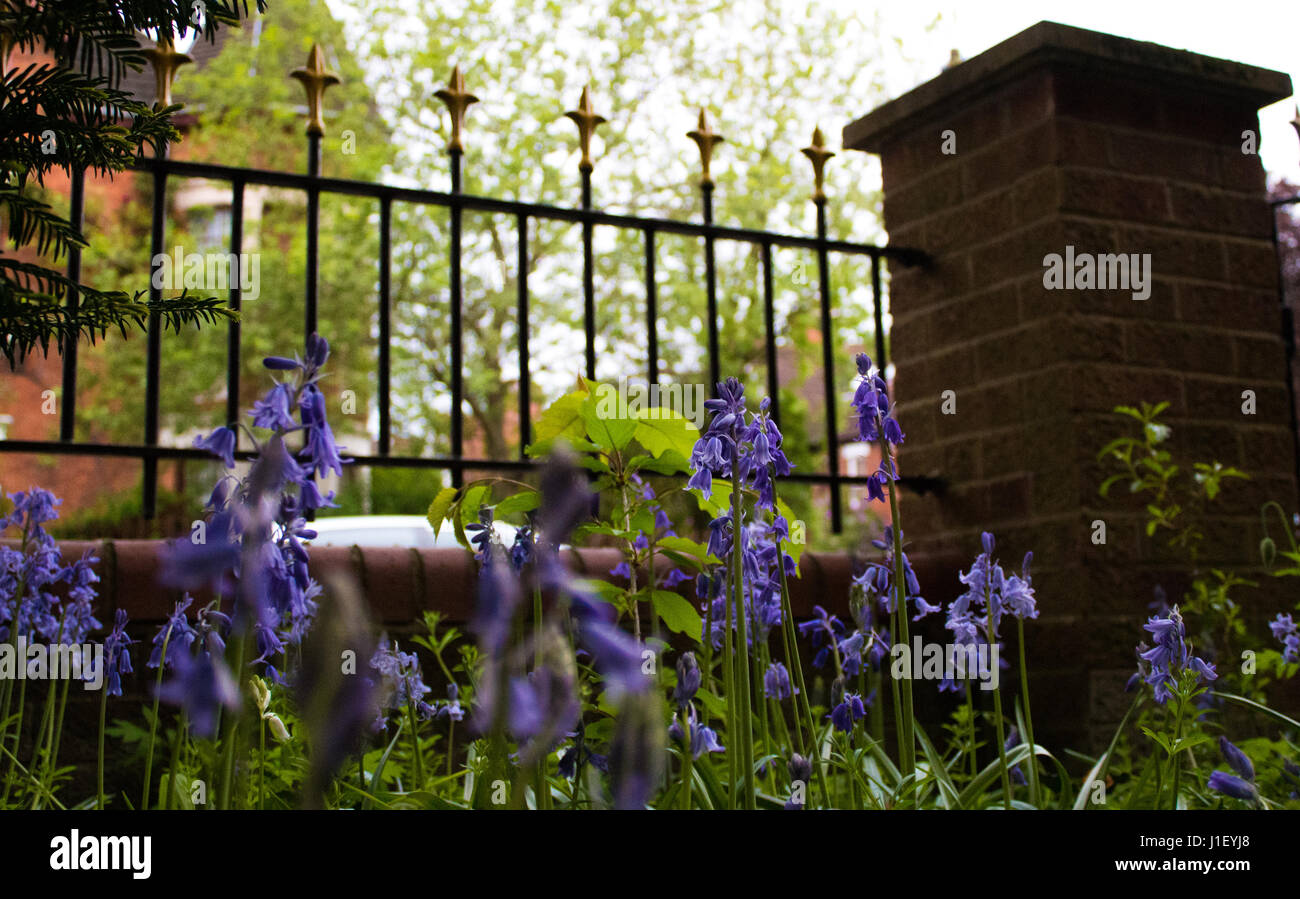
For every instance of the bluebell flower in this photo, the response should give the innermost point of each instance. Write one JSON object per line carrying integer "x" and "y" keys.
{"x": 776, "y": 682}
{"x": 1230, "y": 785}
{"x": 176, "y": 633}
{"x": 850, "y": 710}
{"x": 688, "y": 679}
{"x": 221, "y": 443}
{"x": 117, "y": 654}
{"x": 1171, "y": 656}
{"x": 274, "y": 411}
{"x": 703, "y": 739}
{"x": 1237, "y": 760}
{"x": 1287, "y": 632}
{"x": 202, "y": 685}
{"x": 800, "y": 768}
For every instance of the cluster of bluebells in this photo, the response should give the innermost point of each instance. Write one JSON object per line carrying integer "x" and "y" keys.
{"x": 877, "y": 579}
{"x": 849, "y": 649}
{"x": 1287, "y": 632}
{"x": 194, "y": 654}
{"x": 746, "y": 447}
{"x": 540, "y": 707}
{"x": 1162, "y": 665}
{"x": 404, "y": 686}
{"x": 251, "y": 552}
{"x": 663, "y": 527}
{"x": 760, "y": 556}
{"x": 739, "y": 444}
{"x": 876, "y": 423}
{"x": 703, "y": 738}
{"x": 41, "y": 598}
{"x": 975, "y": 617}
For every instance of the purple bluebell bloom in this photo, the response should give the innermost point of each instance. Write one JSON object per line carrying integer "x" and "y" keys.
{"x": 1237, "y": 760}
{"x": 221, "y": 443}
{"x": 688, "y": 679}
{"x": 201, "y": 684}
{"x": 776, "y": 682}
{"x": 1286, "y": 631}
{"x": 1231, "y": 785}
{"x": 117, "y": 654}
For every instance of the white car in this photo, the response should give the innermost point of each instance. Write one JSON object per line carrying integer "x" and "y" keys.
{"x": 393, "y": 530}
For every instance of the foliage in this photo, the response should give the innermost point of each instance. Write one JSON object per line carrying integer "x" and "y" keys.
{"x": 70, "y": 116}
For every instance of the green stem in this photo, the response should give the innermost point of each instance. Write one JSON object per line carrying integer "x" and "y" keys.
{"x": 103, "y": 716}
{"x": 153, "y": 721}
{"x": 1029, "y": 717}
{"x": 814, "y": 755}
{"x": 745, "y": 659}
{"x": 908, "y": 744}
{"x": 1002, "y": 749}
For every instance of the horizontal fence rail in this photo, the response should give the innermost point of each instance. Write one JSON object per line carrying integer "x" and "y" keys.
{"x": 315, "y": 80}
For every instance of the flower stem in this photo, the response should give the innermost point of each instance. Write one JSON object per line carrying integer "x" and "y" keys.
{"x": 907, "y": 744}
{"x": 746, "y": 657}
{"x": 153, "y": 720}
{"x": 1029, "y": 718}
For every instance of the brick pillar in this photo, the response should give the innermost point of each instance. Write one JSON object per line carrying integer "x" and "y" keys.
{"x": 1066, "y": 137}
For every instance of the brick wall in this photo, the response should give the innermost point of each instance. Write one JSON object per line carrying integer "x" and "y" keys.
{"x": 1068, "y": 137}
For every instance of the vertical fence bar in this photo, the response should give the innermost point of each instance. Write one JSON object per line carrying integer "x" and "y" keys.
{"x": 385, "y": 321}
{"x": 236, "y": 299}
{"x": 525, "y": 381}
{"x": 651, "y": 309}
{"x": 588, "y": 280}
{"x": 878, "y": 311}
{"x": 77, "y": 218}
{"x": 769, "y": 328}
{"x": 587, "y": 120}
{"x": 828, "y": 365}
{"x": 711, "y": 290}
{"x": 313, "y": 231}
{"x": 457, "y": 383}
{"x": 1288, "y": 338}
{"x": 153, "y": 343}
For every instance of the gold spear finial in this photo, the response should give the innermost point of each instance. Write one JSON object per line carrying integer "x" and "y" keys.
{"x": 458, "y": 100}
{"x": 818, "y": 154}
{"x": 587, "y": 119}
{"x": 705, "y": 138}
{"x": 165, "y": 61}
{"x": 315, "y": 79}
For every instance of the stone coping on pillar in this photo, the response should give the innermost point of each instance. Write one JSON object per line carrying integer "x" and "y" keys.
{"x": 1054, "y": 44}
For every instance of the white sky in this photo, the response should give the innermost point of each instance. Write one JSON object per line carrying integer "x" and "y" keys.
{"x": 1263, "y": 33}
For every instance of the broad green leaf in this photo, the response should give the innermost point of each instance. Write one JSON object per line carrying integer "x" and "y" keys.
{"x": 440, "y": 507}
{"x": 523, "y": 501}
{"x": 561, "y": 419}
{"x": 601, "y": 417}
{"x": 662, "y": 430}
{"x": 678, "y": 614}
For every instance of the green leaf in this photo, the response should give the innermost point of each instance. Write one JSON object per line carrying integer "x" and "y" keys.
{"x": 561, "y": 419}
{"x": 678, "y": 614}
{"x": 661, "y": 431}
{"x": 670, "y": 462}
{"x": 523, "y": 501}
{"x": 441, "y": 507}
{"x": 603, "y": 423}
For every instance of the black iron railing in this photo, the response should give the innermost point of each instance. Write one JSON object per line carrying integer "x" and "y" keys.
{"x": 315, "y": 79}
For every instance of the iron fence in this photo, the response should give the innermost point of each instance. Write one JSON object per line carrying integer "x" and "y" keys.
{"x": 316, "y": 79}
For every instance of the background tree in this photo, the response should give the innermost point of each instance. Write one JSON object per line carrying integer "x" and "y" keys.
{"x": 71, "y": 116}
